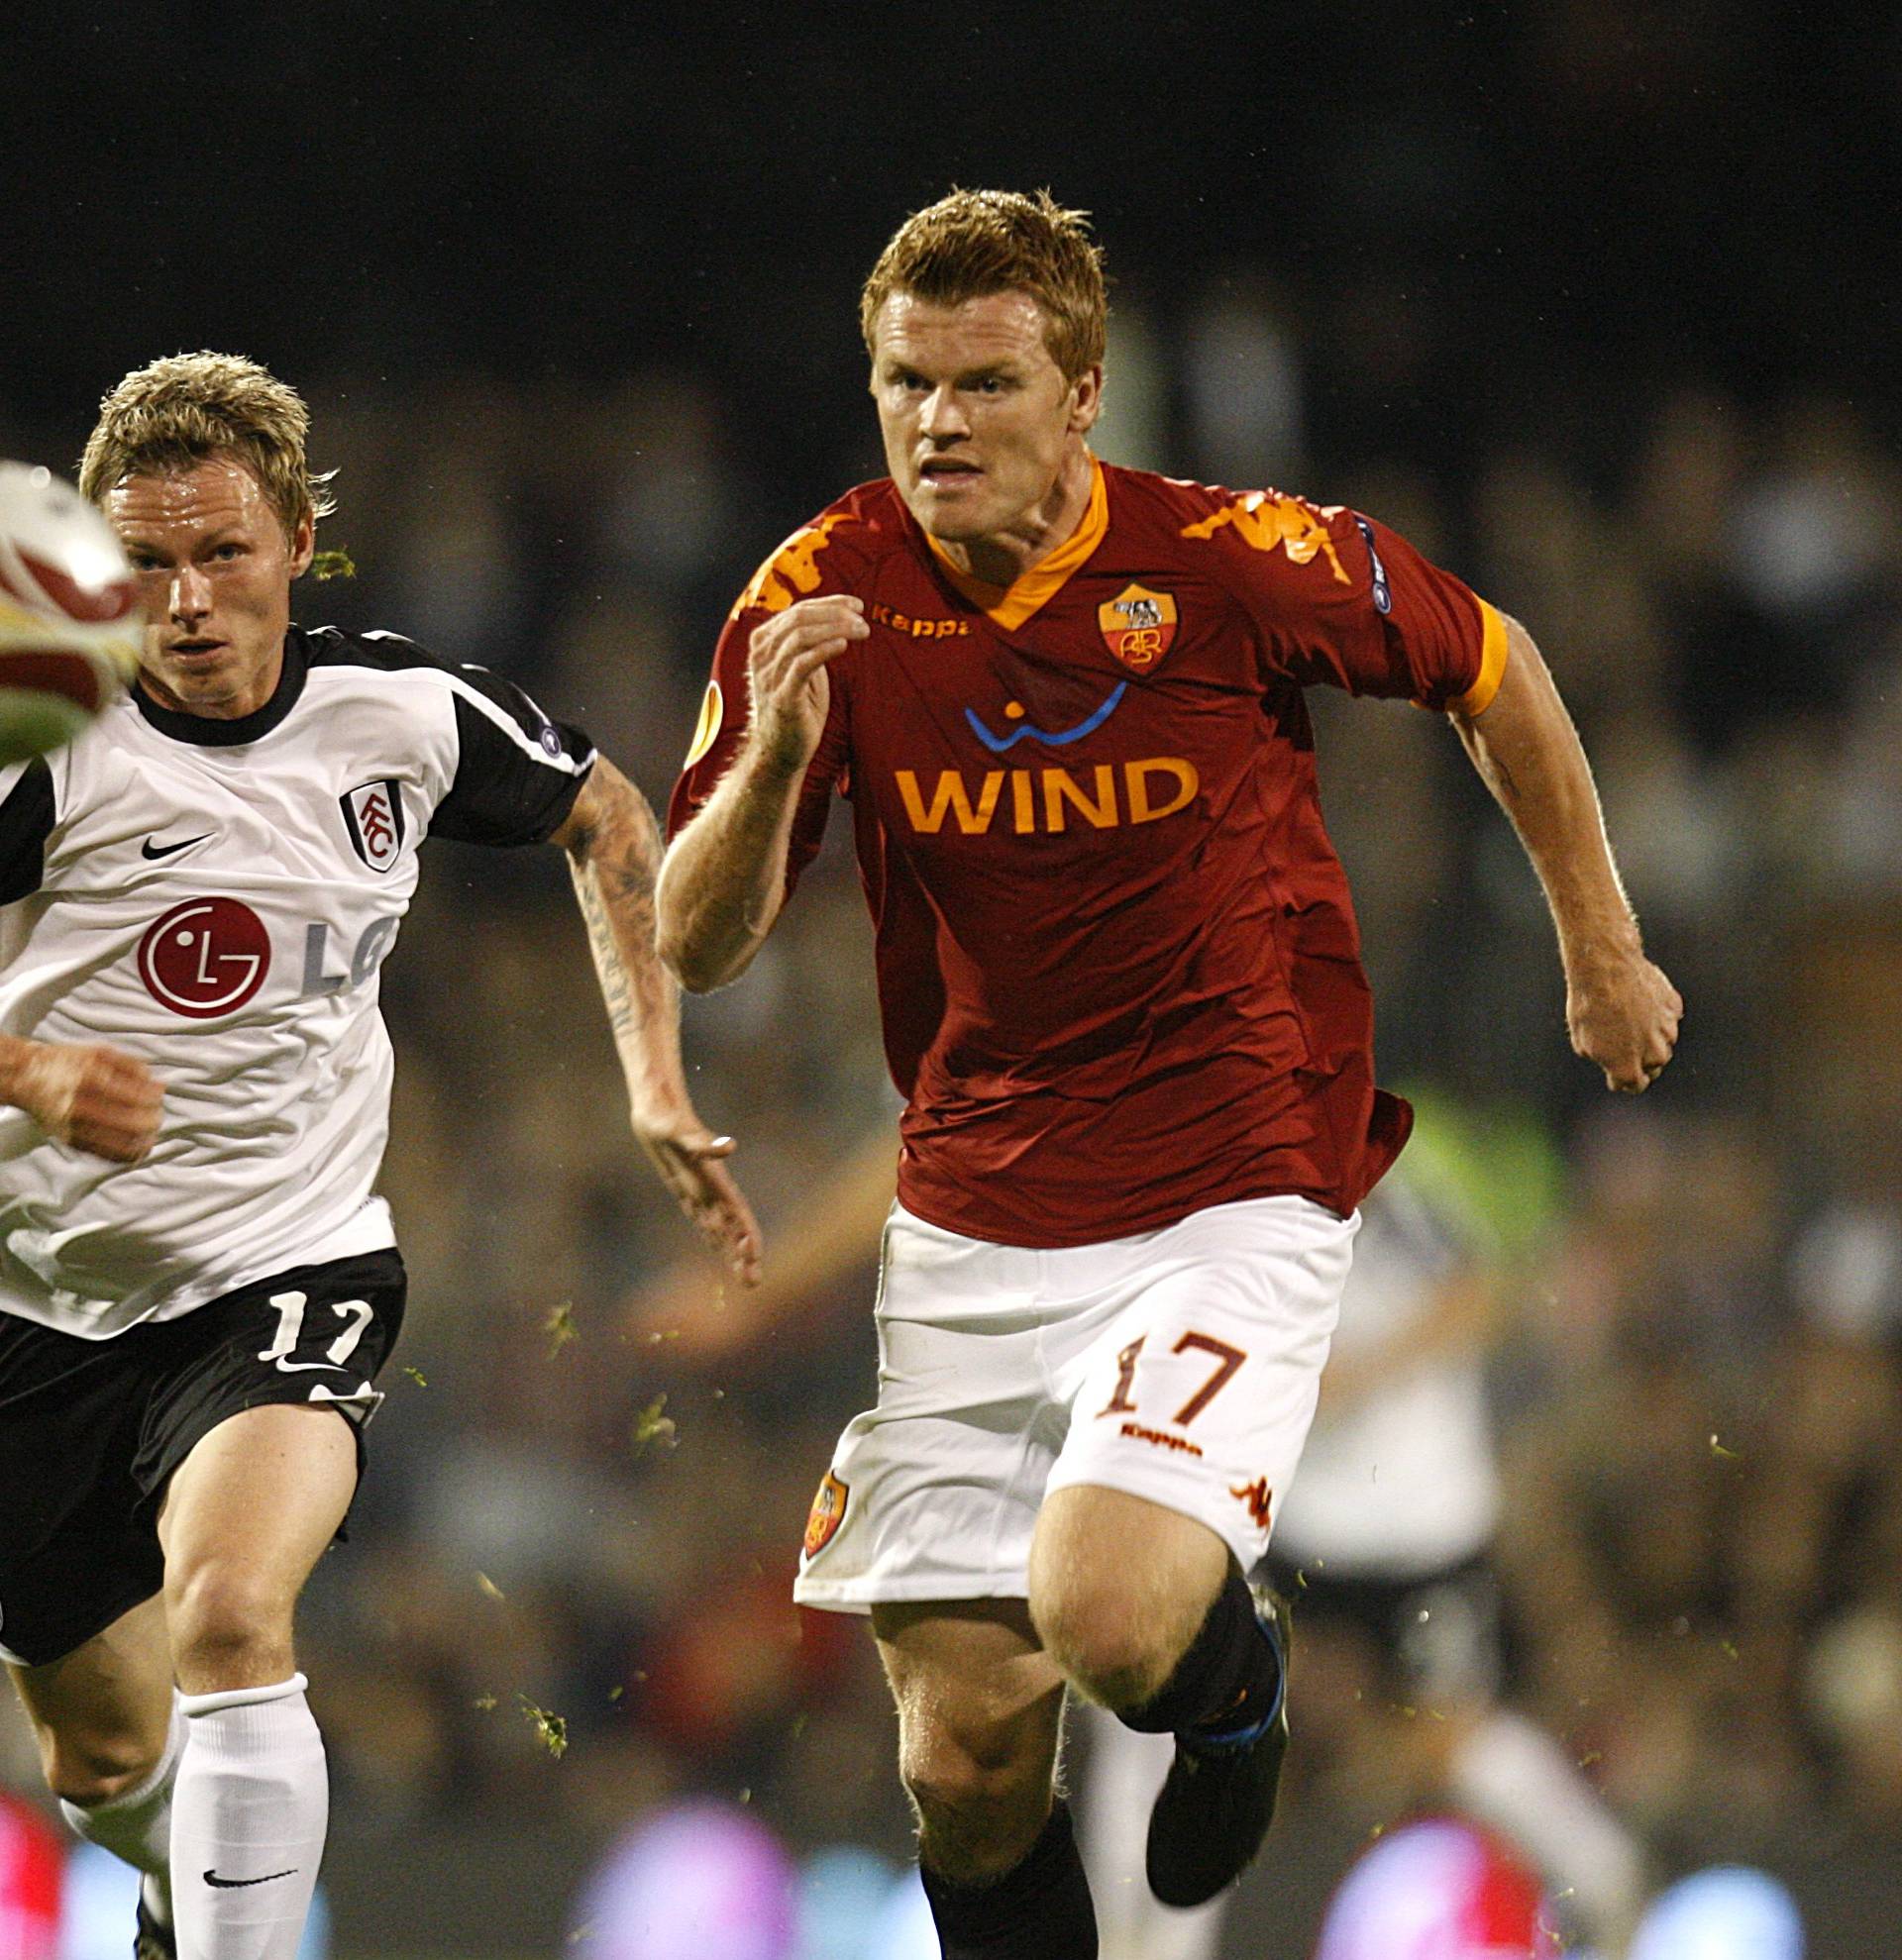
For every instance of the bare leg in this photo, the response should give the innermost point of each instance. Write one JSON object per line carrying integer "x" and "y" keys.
{"x": 110, "y": 1736}
{"x": 1120, "y": 1587}
{"x": 980, "y": 1709}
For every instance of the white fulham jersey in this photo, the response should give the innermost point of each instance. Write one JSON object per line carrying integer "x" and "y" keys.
{"x": 218, "y": 897}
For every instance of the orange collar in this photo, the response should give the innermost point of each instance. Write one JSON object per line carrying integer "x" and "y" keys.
{"x": 1010, "y": 605}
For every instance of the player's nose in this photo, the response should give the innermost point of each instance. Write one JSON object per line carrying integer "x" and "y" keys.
{"x": 941, "y": 415}
{"x": 190, "y": 596}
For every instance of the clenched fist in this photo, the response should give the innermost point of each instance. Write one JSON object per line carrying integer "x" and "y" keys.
{"x": 786, "y": 662}
{"x": 94, "y": 1097}
{"x": 1624, "y": 1015}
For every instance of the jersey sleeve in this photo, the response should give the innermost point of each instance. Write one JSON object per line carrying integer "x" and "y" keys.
{"x": 802, "y": 569}
{"x": 516, "y": 772}
{"x": 1340, "y": 600}
{"x": 27, "y": 818}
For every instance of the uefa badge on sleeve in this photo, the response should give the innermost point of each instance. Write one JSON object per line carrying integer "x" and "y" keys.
{"x": 374, "y": 817}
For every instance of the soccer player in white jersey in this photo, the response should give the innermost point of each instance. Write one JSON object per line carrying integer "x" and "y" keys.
{"x": 198, "y": 1280}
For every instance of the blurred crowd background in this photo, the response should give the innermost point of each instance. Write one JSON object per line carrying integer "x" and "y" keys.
{"x": 1591, "y": 299}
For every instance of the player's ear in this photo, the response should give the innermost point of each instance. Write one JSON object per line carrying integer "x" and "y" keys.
{"x": 303, "y": 545}
{"x": 1086, "y": 400}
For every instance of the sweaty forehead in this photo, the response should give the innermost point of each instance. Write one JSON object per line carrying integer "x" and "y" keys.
{"x": 927, "y": 334}
{"x": 211, "y": 495}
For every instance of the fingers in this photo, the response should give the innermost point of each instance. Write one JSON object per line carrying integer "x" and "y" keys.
{"x": 98, "y": 1099}
{"x": 693, "y": 1170}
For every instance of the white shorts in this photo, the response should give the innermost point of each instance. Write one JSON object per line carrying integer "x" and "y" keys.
{"x": 1180, "y": 1366}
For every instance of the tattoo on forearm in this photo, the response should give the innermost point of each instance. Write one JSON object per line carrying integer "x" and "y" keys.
{"x": 615, "y": 863}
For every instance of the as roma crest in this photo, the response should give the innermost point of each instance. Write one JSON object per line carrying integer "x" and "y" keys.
{"x": 827, "y": 1514}
{"x": 374, "y": 817}
{"x": 1138, "y": 626}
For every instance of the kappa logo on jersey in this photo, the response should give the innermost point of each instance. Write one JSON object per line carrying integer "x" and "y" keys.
{"x": 918, "y": 629}
{"x": 1267, "y": 518}
{"x": 1138, "y": 626}
{"x": 827, "y": 1514}
{"x": 205, "y": 958}
{"x": 374, "y": 817}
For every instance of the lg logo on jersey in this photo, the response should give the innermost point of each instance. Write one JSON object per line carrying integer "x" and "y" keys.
{"x": 205, "y": 958}
{"x": 210, "y": 956}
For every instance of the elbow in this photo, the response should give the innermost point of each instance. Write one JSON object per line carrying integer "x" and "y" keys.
{"x": 687, "y": 963}
{"x": 681, "y": 950}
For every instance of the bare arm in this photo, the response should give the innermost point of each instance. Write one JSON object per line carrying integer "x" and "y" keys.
{"x": 613, "y": 847}
{"x": 724, "y": 878}
{"x": 1622, "y": 1011}
{"x": 96, "y": 1098}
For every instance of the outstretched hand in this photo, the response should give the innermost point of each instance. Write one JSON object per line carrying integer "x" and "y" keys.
{"x": 690, "y": 1160}
{"x": 1624, "y": 1017}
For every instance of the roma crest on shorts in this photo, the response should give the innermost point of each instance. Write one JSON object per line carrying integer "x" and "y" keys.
{"x": 826, "y": 1515}
{"x": 1138, "y": 626}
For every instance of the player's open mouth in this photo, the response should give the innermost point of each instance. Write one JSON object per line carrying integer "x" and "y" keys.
{"x": 188, "y": 649}
{"x": 943, "y": 469}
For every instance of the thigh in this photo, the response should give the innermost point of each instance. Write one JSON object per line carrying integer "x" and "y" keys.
{"x": 263, "y": 1494}
{"x": 1198, "y": 1393}
{"x": 103, "y": 1710}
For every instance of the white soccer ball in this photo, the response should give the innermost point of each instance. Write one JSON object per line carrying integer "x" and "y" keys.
{"x": 69, "y": 619}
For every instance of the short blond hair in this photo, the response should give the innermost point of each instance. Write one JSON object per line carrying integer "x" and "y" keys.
{"x": 975, "y": 242}
{"x": 176, "y": 413}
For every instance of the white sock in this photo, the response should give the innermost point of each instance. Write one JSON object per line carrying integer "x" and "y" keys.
{"x": 1514, "y": 1777}
{"x": 248, "y": 1822}
{"x": 138, "y": 1825}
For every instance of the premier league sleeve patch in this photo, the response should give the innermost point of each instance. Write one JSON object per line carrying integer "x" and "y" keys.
{"x": 374, "y": 817}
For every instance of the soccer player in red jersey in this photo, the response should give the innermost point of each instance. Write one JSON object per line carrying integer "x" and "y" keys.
{"x": 1121, "y": 994}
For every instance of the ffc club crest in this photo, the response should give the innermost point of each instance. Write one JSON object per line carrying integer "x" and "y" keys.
{"x": 1138, "y": 626}
{"x": 374, "y": 817}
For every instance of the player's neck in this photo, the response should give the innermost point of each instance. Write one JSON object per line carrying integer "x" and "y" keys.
{"x": 1003, "y": 558}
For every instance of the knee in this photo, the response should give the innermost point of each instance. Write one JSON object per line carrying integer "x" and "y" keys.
{"x": 981, "y": 1793}
{"x": 230, "y": 1627}
{"x": 88, "y": 1769}
{"x": 1108, "y": 1641}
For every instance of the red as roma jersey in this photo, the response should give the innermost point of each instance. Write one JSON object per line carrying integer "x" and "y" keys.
{"x": 1117, "y": 963}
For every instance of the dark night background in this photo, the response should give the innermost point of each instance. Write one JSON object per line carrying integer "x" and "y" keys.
{"x": 1597, "y": 299}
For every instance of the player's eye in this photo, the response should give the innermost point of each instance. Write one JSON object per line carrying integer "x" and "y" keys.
{"x": 229, "y": 551}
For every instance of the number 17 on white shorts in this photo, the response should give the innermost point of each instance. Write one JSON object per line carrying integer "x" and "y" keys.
{"x": 1179, "y": 1365}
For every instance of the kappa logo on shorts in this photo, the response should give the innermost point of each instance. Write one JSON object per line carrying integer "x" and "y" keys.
{"x": 374, "y": 817}
{"x": 827, "y": 1514}
{"x": 1161, "y": 1438}
{"x": 1259, "y": 1500}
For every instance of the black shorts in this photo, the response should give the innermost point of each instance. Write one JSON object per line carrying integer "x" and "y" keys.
{"x": 1437, "y": 1637}
{"x": 90, "y": 1431}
